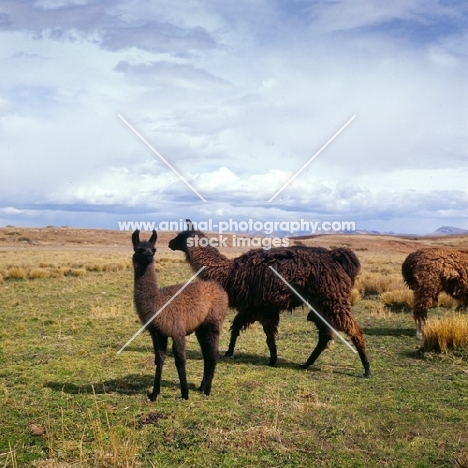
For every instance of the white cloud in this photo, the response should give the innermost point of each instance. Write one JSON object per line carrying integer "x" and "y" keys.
{"x": 237, "y": 105}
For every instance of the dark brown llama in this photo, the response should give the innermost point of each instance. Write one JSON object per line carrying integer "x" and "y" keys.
{"x": 428, "y": 272}
{"x": 324, "y": 277}
{"x": 201, "y": 308}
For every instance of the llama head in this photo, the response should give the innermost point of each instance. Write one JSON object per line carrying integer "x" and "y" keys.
{"x": 180, "y": 242}
{"x": 144, "y": 250}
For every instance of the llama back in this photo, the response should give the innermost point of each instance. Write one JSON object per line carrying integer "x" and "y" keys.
{"x": 432, "y": 265}
{"x": 348, "y": 260}
{"x": 203, "y": 298}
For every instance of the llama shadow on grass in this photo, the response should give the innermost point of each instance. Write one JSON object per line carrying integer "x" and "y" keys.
{"x": 132, "y": 384}
{"x": 255, "y": 360}
{"x": 238, "y": 358}
{"x": 409, "y": 332}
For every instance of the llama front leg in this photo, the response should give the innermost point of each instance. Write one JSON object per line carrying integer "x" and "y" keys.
{"x": 160, "y": 346}
{"x": 178, "y": 348}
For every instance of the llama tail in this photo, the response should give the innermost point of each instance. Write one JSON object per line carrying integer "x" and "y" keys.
{"x": 348, "y": 260}
{"x": 407, "y": 272}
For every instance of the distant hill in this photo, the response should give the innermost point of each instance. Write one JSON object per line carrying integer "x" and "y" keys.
{"x": 448, "y": 231}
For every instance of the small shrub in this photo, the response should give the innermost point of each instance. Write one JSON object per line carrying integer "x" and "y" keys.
{"x": 355, "y": 296}
{"x": 398, "y": 299}
{"x": 38, "y": 273}
{"x": 114, "y": 267}
{"x": 75, "y": 271}
{"x": 442, "y": 334}
{"x": 47, "y": 265}
{"x": 445, "y": 300}
{"x": 17, "y": 273}
{"x": 378, "y": 283}
{"x": 56, "y": 272}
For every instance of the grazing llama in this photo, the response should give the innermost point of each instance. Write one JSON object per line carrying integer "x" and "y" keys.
{"x": 429, "y": 271}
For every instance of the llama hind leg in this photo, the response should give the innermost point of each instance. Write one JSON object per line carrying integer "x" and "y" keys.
{"x": 423, "y": 299}
{"x": 241, "y": 320}
{"x": 270, "y": 327}
{"x": 325, "y": 336}
{"x": 351, "y": 327}
{"x": 160, "y": 346}
{"x": 360, "y": 344}
{"x": 208, "y": 337}
{"x": 178, "y": 348}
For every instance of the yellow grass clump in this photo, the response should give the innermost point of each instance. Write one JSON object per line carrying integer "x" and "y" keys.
{"x": 74, "y": 271}
{"x": 398, "y": 298}
{"x": 376, "y": 283}
{"x": 355, "y": 296}
{"x": 39, "y": 273}
{"x": 17, "y": 272}
{"x": 445, "y": 300}
{"x": 442, "y": 334}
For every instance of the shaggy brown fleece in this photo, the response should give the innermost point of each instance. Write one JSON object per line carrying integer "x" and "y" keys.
{"x": 428, "y": 272}
{"x": 324, "y": 277}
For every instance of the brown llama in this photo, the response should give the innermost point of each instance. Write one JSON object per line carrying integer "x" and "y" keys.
{"x": 427, "y": 272}
{"x": 201, "y": 308}
{"x": 324, "y": 277}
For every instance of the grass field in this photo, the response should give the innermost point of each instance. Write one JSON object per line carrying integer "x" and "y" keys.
{"x": 67, "y": 399}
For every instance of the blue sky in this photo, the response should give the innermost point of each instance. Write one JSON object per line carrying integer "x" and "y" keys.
{"x": 237, "y": 96}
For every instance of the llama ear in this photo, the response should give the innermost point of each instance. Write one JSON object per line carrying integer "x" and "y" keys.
{"x": 136, "y": 238}
{"x": 189, "y": 225}
{"x": 153, "y": 237}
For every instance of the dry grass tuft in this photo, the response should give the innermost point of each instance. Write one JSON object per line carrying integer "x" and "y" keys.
{"x": 379, "y": 310}
{"x": 355, "y": 296}
{"x": 106, "y": 312}
{"x": 461, "y": 461}
{"x": 442, "y": 334}
{"x": 74, "y": 271}
{"x": 111, "y": 448}
{"x": 398, "y": 299}
{"x": 4, "y": 272}
{"x": 38, "y": 273}
{"x": 17, "y": 273}
{"x": 445, "y": 300}
{"x": 377, "y": 283}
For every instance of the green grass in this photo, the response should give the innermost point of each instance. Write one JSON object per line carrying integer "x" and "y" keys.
{"x": 60, "y": 371}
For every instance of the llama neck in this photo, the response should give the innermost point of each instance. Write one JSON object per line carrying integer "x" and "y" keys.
{"x": 146, "y": 291}
{"x": 216, "y": 265}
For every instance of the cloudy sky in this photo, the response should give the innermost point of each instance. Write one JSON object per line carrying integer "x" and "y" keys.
{"x": 237, "y": 97}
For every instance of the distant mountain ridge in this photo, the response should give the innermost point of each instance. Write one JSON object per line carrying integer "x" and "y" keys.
{"x": 448, "y": 231}
{"x": 442, "y": 231}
